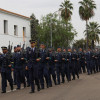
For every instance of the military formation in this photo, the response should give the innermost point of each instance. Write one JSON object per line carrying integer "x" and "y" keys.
{"x": 39, "y": 67}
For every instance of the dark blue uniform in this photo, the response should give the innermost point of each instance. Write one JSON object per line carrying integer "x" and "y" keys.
{"x": 5, "y": 60}
{"x": 99, "y": 61}
{"x": 31, "y": 55}
{"x": 19, "y": 68}
{"x": 69, "y": 57}
{"x": 96, "y": 62}
{"x": 27, "y": 71}
{"x": 88, "y": 57}
{"x": 59, "y": 67}
{"x": 51, "y": 65}
{"x": 93, "y": 63}
{"x": 66, "y": 66}
{"x": 75, "y": 65}
{"x": 81, "y": 57}
{"x": 14, "y": 72}
{"x": 43, "y": 69}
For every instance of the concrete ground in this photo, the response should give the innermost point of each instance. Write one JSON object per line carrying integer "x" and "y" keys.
{"x": 85, "y": 88}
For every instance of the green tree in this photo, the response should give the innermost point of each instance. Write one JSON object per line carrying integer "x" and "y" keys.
{"x": 93, "y": 33}
{"x": 80, "y": 44}
{"x": 34, "y": 26}
{"x": 86, "y": 11}
{"x": 66, "y": 13}
{"x": 61, "y": 36}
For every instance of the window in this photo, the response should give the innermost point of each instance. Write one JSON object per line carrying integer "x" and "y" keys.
{"x": 24, "y": 31}
{"x": 5, "y": 27}
{"x": 15, "y": 30}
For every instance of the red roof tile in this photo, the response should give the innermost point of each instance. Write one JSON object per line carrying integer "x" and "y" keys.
{"x": 3, "y": 10}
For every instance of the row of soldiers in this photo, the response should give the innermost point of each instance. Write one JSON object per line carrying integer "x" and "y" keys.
{"x": 36, "y": 65}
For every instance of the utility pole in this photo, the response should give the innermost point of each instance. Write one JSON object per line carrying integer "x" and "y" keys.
{"x": 51, "y": 26}
{"x": 51, "y": 30}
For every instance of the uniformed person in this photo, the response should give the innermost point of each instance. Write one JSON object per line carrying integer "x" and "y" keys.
{"x": 51, "y": 66}
{"x": 27, "y": 71}
{"x": 43, "y": 68}
{"x": 14, "y": 70}
{"x": 69, "y": 57}
{"x": 99, "y": 60}
{"x": 88, "y": 57}
{"x": 81, "y": 57}
{"x": 32, "y": 56}
{"x": 96, "y": 60}
{"x": 18, "y": 60}
{"x": 93, "y": 62}
{"x": 59, "y": 67}
{"x": 65, "y": 64}
{"x": 5, "y": 60}
{"x": 75, "y": 64}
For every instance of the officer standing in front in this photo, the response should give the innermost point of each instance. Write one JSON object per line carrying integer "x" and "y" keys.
{"x": 5, "y": 60}
{"x": 32, "y": 56}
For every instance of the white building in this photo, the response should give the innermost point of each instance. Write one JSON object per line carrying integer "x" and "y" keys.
{"x": 14, "y": 28}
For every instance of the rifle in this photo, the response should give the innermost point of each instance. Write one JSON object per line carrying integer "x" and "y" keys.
{"x": 23, "y": 49}
{"x": 10, "y": 48}
{"x": 9, "y": 54}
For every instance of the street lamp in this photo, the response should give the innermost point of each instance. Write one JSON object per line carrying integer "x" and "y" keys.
{"x": 83, "y": 45}
{"x": 51, "y": 25}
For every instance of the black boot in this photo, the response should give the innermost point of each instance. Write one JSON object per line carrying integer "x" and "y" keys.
{"x": 78, "y": 77}
{"x": 47, "y": 86}
{"x": 31, "y": 92}
{"x": 63, "y": 81}
{"x": 50, "y": 85}
{"x": 55, "y": 82}
{"x": 42, "y": 87}
{"x": 28, "y": 85}
{"x": 12, "y": 88}
{"x": 3, "y": 92}
{"x": 38, "y": 87}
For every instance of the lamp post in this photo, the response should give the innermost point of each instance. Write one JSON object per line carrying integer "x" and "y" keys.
{"x": 51, "y": 30}
{"x": 83, "y": 45}
{"x": 51, "y": 25}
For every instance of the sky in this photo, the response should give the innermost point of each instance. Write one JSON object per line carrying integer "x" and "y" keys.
{"x": 42, "y": 7}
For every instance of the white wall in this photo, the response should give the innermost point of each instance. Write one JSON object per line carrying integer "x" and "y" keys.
{"x": 13, "y": 20}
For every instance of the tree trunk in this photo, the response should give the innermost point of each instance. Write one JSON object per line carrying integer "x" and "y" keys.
{"x": 67, "y": 33}
{"x": 87, "y": 34}
{"x": 92, "y": 44}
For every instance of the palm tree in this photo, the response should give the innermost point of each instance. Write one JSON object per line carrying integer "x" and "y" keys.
{"x": 66, "y": 10}
{"x": 86, "y": 11}
{"x": 93, "y": 32}
{"x": 81, "y": 44}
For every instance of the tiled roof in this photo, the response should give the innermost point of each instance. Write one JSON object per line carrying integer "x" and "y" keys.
{"x": 3, "y": 10}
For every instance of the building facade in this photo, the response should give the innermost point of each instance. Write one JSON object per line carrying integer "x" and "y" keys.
{"x": 14, "y": 28}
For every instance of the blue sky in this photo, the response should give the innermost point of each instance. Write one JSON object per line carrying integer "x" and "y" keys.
{"x": 43, "y": 7}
